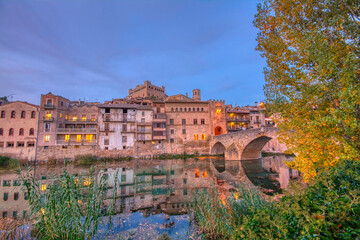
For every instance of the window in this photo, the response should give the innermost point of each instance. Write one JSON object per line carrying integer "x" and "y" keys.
{"x": 62, "y": 103}
{"x": 183, "y": 121}
{"x": 78, "y": 138}
{"x": 1, "y": 131}
{"x": 184, "y": 131}
{"x": 171, "y": 122}
{"x": 43, "y": 187}
{"x": 93, "y": 117}
{"x": 21, "y": 132}
{"x": 67, "y": 137}
{"x": 106, "y": 141}
{"x": 16, "y": 196}
{"x": 20, "y": 144}
{"x": 172, "y": 172}
{"x": 1, "y": 144}
{"x": 6, "y": 196}
{"x": 202, "y": 109}
{"x": 11, "y": 132}
{"x": 142, "y": 119}
{"x": 13, "y": 114}
{"x": 16, "y": 183}
{"x": 24, "y": 214}
{"x": 22, "y": 114}
{"x": 74, "y": 117}
{"x": 204, "y": 174}
{"x": 123, "y": 178}
{"x": 46, "y": 138}
{"x": 189, "y": 109}
{"x": 180, "y": 109}
{"x": 203, "y": 136}
{"x": 4, "y": 215}
{"x": 48, "y": 115}
{"x": 171, "y": 140}
{"x": 10, "y": 144}
{"x": 197, "y": 174}
{"x": 185, "y": 192}
{"x": 185, "y": 109}
{"x": 15, "y": 214}
{"x": 31, "y": 144}
{"x": 143, "y": 113}
{"x": 47, "y": 127}
{"x": 124, "y": 139}
{"x": 31, "y": 132}
{"x": 184, "y": 180}
{"x": 124, "y": 128}
{"x": 172, "y": 131}
{"x": 197, "y": 109}
{"x": 196, "y": 137}
{"x": 89, "y": 138}
{"x": 176, "y": 109}
{"x": 6, "y": 183}
{"x": 202, "y": 121}
{"x": 2, "y": 114}
{"x": 33, "y": 114}
{"x": 83, "y": 117}
{"x": 172, "y": 109}
{"x": 195, "y": 121}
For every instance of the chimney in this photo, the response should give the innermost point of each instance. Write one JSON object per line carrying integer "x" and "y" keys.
{"x": 187, "y": 94}
{"x": 255, "y": 104}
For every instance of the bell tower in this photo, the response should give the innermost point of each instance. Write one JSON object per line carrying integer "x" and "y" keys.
{"x": 196, "y": 94}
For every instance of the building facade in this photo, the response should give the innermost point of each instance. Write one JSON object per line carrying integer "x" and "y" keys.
{"x": 18, "y": 130}
{"x": 147, "y": 90}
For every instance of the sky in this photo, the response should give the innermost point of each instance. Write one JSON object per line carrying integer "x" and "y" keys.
{"x": 97, "y": 49}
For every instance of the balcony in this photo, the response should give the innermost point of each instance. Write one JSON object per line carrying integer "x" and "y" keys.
{"x": 141, "y": 138}
{"x": 144, "y": 123}
{"x": 133, "y": 130}
{"x": 159, "y": 137}
{"x": 107, "y": 129}
{"x": 75, "y": 130}
{"x": 257, "y": 122}
{"x": 87, "y": 120}
{"x": 144, "y": 130}
{"x": 49, "y": 106}
{"x": 74, "y": 142}
{"x": 159, "y": 129}
{"x": 159, "y": 117}
{"x": 242, "y": 120}
{"x": 48, "y": 119}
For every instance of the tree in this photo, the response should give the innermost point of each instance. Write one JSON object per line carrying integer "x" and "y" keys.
{"x": 312, "y": 50}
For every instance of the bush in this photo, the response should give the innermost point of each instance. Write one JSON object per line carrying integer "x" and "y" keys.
{"x": 8, "y": 162}
{"x": 329, "y": 208}
{"x": 85, "y": 159}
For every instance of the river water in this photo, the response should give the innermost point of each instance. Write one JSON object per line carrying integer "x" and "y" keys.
{"x": 154, "y": 195}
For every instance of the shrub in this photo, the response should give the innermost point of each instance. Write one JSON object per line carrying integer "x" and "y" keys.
{"x": 8, "y": 162}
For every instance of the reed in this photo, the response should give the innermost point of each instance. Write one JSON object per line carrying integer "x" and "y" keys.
{"x": 70, "y": 207}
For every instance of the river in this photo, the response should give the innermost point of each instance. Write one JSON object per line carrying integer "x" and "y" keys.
{"x": 154, "y": 195}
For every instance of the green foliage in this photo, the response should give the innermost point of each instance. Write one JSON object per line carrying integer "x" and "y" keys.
{"x": 312, "y": 50}
{"x": 70, "y": 208}
{"x": 164, "y": 236}
{"x": 329, "y": 208}
{"x": 8, "y": 162}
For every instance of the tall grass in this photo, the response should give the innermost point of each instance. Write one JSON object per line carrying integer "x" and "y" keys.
{"x": 14, "y": 229}
{"x": 70, "y": 208}
{"x": 218, "y": 219}
{"x": 8, "y": 162}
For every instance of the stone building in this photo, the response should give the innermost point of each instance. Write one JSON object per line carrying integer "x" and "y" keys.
{"x": 117, "y": 126}
{"x": 66, "y": 128}
{"x": 217, "y": 117}
{"x": 147, "y": 90}
{"x": 188, "y": 124}
{"x": 18, "y": 130}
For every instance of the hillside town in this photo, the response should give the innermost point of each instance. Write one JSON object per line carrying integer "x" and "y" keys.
{"x": 145, "y": 123}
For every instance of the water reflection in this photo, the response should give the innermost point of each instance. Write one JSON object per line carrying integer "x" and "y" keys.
{"x": 156, "y": 186}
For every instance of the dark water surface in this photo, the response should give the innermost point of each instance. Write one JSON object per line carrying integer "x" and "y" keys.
{"x": 153, "y": 196}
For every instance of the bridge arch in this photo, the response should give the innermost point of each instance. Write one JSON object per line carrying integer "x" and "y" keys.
{"x": 253, "y": 149}
{"x": 218, "y": 148}
{"x": 232, "y": 152}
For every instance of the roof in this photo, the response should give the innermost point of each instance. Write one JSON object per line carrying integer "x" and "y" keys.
{"x": 30, "y": 104}
{"x": 183, "y": 98}
{"x": 118, "y": 106}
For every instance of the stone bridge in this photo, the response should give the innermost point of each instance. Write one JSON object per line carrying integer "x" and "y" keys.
{"x": 242, "y": 145}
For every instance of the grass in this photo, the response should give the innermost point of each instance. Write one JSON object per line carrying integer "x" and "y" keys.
{"x": 14, "y": 229}
{"x": 92, "y": 159}
{"x": 270, "y": 154}
{"x": 71, "y": 207}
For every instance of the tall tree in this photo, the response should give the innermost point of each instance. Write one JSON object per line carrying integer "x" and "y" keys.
{"x": 312, "y": 49}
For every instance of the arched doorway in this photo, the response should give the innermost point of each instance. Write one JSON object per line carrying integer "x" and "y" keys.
{"x": 218, "y": 131}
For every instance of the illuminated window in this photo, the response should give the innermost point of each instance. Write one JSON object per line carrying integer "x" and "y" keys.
{"x": 218, "y": 110}
{"x": 89, "y": 137}
{"x": 93, "y": 118}
{"x": 83, "y": 117}
{"x": 74, "y": 118}
{"x": 67, "y": 137}
{"x": 78, "y": 138}
{"x": 47, "y": 138}
{"x": 205, "y": 174}
{"x": 43, "y": 187}
{"x": 61, "y": 115}
{"x": 66, "y": 116}
{"x": 196, "y": 137}
{"x": 197, "y": 174}
{"x": 48, "y": 115}
{"x": 203, "y": 136}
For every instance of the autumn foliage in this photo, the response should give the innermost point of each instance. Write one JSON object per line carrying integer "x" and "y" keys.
{"x": 312, "y": 50}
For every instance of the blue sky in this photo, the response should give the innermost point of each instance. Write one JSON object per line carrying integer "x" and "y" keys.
{"x": 97, "y": 50}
